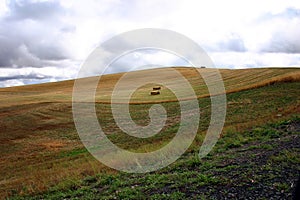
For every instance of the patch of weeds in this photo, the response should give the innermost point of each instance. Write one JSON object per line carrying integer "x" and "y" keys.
{"x": 204, "y": 166}
{"x": 267, "y": 146}
{"x": 286, "y": 156}
{"x": 253, "y": 147}
{"x": 64, "y": 186}
{"x": 193, "y": 162}
{"x": 227, "y": 168}
{"x": 207, "y": 179}
{"x": 73, "y": 152}
{"x": 281, "y": 186}
{"x": 231, "y": 139}
{"x": 262, "y": 146}
{"x": 174, "y": 195}
{"x": 233, "y": 144}
{"x": 265, "y": 132}
{"x": 129, "y": 193}
{"x": 89, "y": 180}
{"x": 106, "y": 180}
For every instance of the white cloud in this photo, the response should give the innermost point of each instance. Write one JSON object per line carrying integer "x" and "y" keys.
{"x": 145, "y": 59}
{"x": 254, "y": 59}
{"x": 10, "y": 83}
{"x": 53, "y": 37}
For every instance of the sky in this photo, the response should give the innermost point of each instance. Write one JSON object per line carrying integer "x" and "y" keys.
{"x": 47, "y": 41}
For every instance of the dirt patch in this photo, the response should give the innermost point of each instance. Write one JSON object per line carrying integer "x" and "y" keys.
{"x": 53, "y": 145}
{"x": 260, "y": 170}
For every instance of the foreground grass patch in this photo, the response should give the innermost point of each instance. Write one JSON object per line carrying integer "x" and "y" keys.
{"x": 266, "y": 171}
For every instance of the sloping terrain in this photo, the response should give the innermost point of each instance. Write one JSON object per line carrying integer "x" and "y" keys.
{"x": 234, "y": 80}
{"x": 261, "y": 164}
{"x": 41, "y": 151}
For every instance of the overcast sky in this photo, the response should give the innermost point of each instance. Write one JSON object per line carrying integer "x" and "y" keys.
{"x": 43, "y": 41}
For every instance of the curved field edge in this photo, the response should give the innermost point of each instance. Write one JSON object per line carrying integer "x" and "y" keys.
{"x": 41, "y": 149}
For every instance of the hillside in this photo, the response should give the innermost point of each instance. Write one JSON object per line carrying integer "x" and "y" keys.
{"x": 234, "y": 80}
{"x": 41, "y": 151}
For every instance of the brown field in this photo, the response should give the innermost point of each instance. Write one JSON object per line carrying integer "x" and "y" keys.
{"x": 61, "y": 92}
{"x": 40, "y": 147}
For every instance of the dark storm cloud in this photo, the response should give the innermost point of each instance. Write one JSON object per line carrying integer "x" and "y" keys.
{"x": 24, "y": 51}
{"x": 46, "y": 50}
{"x": 29, "y": 34}
{"x": 7, "y": 50}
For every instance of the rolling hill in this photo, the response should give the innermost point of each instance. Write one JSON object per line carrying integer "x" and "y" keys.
{"x": 43, "y": 157}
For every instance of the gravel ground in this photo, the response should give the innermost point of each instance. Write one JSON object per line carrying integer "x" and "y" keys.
{"x": 261, "y": 173}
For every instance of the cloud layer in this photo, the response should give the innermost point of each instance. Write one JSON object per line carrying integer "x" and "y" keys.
{"x": 45, "y": 41}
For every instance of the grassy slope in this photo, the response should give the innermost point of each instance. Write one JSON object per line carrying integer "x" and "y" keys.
{"x": 40, "y": 147}
{"x": 261, "y": 163}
